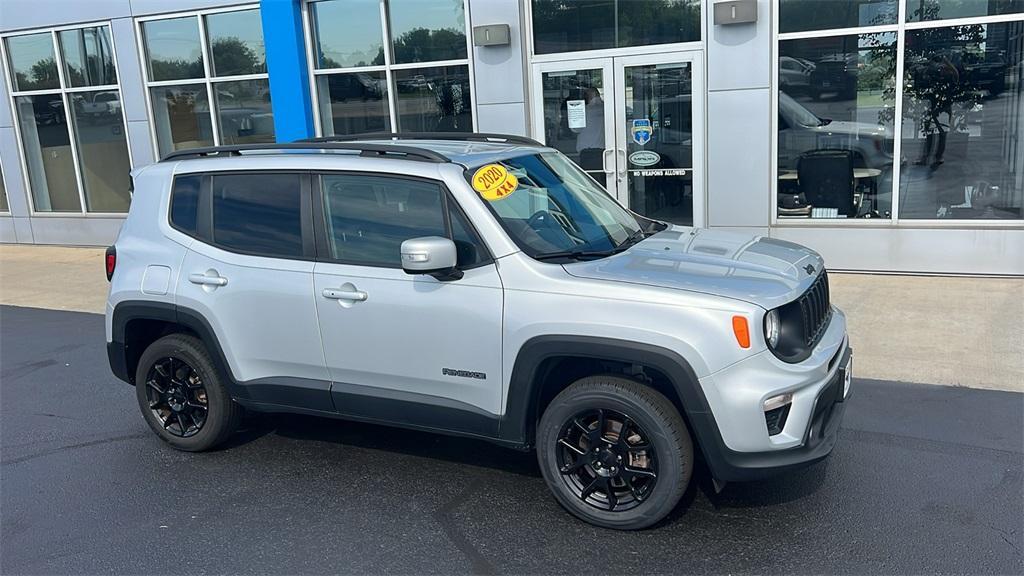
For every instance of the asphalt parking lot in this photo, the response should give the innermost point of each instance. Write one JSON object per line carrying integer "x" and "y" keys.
{"x": 925, "y": 479}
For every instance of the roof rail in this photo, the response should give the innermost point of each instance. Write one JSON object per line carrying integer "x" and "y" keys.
{"x": 472, "y": 136}
{"x": 372, "y": 150}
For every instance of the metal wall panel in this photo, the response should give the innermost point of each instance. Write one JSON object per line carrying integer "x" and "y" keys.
{"x": 739, "y": 55}
{"x": 924, "y": 250}
{"x": 739, "y": 158}
{"x": 23, "y": 14}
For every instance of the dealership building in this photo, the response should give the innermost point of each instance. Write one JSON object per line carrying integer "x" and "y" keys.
{"x": 886, "y": 134}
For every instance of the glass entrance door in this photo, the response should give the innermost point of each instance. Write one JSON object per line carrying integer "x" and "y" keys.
{"x": 574, "y": 114}
{"x": 634, "y": 123}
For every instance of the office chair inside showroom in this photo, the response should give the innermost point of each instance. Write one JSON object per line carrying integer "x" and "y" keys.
{"x": 826, "y": 180}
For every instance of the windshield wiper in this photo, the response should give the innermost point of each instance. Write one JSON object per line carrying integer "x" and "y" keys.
{"x": 575, "y": 255}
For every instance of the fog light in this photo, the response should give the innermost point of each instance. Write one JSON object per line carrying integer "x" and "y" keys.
{"x": 777, "y": 401}
{"x": 776, "y": 411}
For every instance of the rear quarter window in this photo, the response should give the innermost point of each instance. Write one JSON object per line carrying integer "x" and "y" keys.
{"x": 185, "y": 203}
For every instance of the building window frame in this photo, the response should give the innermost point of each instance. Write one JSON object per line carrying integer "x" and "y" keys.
{"x": 207, "y": 81}
{"x": 900, "y": 29}
{"x": 65, "y": 91}
{"x": 389, "y": 67}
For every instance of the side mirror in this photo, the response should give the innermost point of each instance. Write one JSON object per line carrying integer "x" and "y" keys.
{"x": 431, "y": 255}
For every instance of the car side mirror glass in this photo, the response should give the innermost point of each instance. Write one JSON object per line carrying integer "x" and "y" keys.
{"x": 432, "y": 255}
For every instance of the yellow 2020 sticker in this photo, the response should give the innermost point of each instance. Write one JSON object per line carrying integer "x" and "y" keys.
{"x": 494, "y": 182}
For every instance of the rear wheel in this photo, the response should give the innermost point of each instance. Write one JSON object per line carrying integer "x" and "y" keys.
{"x": 182, "y": 396}
{"x": 614, "y": 452}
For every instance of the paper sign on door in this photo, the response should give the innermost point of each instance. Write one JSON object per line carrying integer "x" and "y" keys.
{"x": 576, "y": 111}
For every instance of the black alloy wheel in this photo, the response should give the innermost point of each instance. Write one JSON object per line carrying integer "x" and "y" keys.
{"x": 177, "y": 396}
{"x": 615, "y": 452}
{"x": 607, "y": 460}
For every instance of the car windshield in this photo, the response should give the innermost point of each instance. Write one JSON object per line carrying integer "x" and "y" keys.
{"x": 555, "y": 210}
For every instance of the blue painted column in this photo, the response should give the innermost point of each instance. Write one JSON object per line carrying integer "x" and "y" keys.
{"x": 288, "y": 69}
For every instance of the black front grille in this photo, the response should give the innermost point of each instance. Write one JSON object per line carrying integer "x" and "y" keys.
{"x": 815, "y": 310}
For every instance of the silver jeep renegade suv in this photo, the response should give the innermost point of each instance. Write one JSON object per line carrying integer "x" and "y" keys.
{"x": 476, "y": 285}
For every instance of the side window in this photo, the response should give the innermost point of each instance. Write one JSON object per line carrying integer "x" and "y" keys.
{"x": 368, "y": 217}
{"x": 185, "y": 203}
{"x": 258, "y": 213}
{"x": 470, "y": 249}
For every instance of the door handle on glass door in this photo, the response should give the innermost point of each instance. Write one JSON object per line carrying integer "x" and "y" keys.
{"x": 207, "y": 279}
{"x": 621, "y": 167}
{"x": 604, "y": 161}
{"x": 339, "y": 294}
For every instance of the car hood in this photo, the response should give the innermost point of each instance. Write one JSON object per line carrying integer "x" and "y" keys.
{"x": 754, "y": 269}
{"x": 854, "y": 128}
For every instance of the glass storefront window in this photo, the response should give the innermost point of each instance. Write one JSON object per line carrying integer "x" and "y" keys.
{"x": 427, "y": 30}
{"x": 88, "y": 56}
{"x": 181, "y": 117}
{"x": 803, "y": 15}
{"x": 102, "y": 150}
{"x": 183, "y": 114}
{"x": 433, "y": 99}
{"x": 347, "y": 34}
{"x": 244, "y": 112}
{"x": 236, "y": 41}
{"x": 924, "y": 10}
{"x": 33, "y": 64}
{"x": 42, "y": 122}
{"x": 173, "y": 49}
{"x": 408, "y": 73}
{"x": 835, "y": 126}
{"x": 353, "y": 103}
{"x": 962, "y": 118}
{"x": 953, "y": 153}
{"x": 73, "y": 140}
{"x": 560, "y": 26}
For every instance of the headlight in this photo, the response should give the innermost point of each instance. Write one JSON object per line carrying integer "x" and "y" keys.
{"x": 771, "y": 328}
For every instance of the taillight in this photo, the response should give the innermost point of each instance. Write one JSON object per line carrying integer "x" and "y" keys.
{"x": 110, "y": 259}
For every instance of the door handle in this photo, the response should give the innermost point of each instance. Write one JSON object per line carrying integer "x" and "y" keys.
{"x": 622, "y": 168}
{"x": 339, "y": 294}
{"x": 604, "y": 161}
{"x": 204, "y": 280}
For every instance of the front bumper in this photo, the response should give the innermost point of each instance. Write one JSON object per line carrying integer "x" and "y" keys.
{"x": 820, "y": 437}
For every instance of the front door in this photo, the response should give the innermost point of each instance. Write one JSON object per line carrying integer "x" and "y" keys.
{"x": 634, "y": 123}
{"x": 401, "y": 348}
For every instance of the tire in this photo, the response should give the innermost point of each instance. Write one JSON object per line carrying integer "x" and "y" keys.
{"x": 656, "y": 424}
{"x": 188, "y": 417}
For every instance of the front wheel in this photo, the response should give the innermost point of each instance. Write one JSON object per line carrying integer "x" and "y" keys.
{"x": 614, "y": 452}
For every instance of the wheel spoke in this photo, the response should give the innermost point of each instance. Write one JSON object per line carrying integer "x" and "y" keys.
{"x": 162, "y": 371}
{"x": 590, "y": 488}
{"x": 181, "y": 423}
{"x": 167, "y": 423}
{"x": 578, "y": 451}
{"x": 581, "y": 426}
{"x": 196, "y": 405}
{"x": 153, "y": 384}
{"x": 629, "y": 484}
{"x": 634, "y": 472}
{"x": 609, "y": 491}
{"x": 600, "y": 423}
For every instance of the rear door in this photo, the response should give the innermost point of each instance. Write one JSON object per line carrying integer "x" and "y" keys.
{"x": 250, "y": 276}
{"x": 405, "y": 348}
